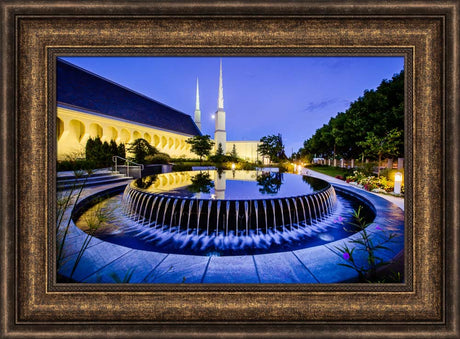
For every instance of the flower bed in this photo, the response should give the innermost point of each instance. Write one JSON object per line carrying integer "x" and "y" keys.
{"x": 371, "y": 183}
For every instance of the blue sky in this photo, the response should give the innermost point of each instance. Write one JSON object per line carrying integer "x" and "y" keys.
{"x": 262, "y": 95}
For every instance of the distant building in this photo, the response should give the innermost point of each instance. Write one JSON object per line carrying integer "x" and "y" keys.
{"x": 91, "y": 106}
{"x": 319, "y": 161}
{"x": 245, "y": 149}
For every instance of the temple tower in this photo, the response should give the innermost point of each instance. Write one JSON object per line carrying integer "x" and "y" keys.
{"x": 220, "y": 134}
{"x": 197, "y": 106}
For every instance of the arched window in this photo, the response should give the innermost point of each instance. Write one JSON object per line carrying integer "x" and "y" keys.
{"x": 156, "y": 140}
{"x": 136, "y": 135}
{"x": 59, "y": 128}
{"x": 76, "y": 129}
{"x": 95, "y": 130}
{"x": 148, "y": 138}
{"x": 112, "y": 133}
{"x": 124, "y": 136}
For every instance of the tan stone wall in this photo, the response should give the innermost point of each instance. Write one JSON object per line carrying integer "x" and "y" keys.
{"x": 74, "y": 128}
{"x": 246, "y": 150}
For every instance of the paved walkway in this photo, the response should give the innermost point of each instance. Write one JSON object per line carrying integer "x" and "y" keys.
{"x": 395, "y": 200}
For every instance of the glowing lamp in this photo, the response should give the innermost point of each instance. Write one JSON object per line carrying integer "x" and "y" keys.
{"x": 233, "y": 166}
{"x": 213, "y": 116}
{"x": 398, "y": 181}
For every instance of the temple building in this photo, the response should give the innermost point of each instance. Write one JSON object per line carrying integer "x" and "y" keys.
{"x": 91, "y": 106}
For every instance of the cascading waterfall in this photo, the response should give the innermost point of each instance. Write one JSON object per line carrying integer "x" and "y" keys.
{"x": 179, "y": 221}
{"x": 289, "y": 213}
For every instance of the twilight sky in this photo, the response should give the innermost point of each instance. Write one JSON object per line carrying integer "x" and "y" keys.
{"x": 262, "y": 95}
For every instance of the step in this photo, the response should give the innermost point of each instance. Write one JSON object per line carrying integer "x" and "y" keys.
{"x": 90, "y": 179}
{"x": 97, "y": 173}
{"x": 111, "y": 180}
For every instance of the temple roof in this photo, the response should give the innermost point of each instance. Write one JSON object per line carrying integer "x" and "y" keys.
{"x": 85, "y": 90}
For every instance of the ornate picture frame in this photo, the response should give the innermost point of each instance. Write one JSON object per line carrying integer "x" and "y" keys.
{"x": 426, "y": 34}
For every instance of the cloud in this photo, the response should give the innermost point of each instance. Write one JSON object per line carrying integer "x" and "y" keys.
{"x": 319, "y": 105}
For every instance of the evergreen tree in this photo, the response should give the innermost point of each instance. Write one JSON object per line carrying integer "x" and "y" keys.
{"x": 106, "y": 154}
{"x": 234, "y": 154}
{"x": 121, "y": 151}
{"x": 113, "y": 147}
{"x": 220, "y": 150}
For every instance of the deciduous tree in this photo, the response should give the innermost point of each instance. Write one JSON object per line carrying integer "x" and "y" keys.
{"x": 201, "y": 145}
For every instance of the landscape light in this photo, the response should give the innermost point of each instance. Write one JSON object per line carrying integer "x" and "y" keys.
{"x": 233, "y": 166}
{"x": 398, "y": 180}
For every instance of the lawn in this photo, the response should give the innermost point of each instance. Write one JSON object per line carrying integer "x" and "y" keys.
{"x": 330, "y": 170}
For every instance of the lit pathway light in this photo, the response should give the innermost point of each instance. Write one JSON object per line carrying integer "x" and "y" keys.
{"x": 398, "y": 180}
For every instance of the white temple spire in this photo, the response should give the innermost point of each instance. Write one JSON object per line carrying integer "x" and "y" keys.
{"x": 197, "y": 106}
{"x": 220, "y": 134}
{"x": 220, "y": 102}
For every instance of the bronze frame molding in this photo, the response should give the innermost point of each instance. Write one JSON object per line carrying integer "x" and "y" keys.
{"x": 426, "y": 33}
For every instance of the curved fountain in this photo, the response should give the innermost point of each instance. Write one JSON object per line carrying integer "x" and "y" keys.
{"x": 278, "y": 226}
{"x": 230, "y": 213}
{"x": 229, "y": 202}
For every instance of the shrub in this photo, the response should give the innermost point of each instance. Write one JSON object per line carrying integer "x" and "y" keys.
{"x": 100, "y": 153}
{"x": 219, "y": 158}
{"x": 390, "y": 174}
{"x": 160, "y": 158}
{"x": 240, "y": 165}
{"x": 285, "y": 167}
{"x": 141, "y": 148}
{"x": 367, "y": 168}
{"x": 75, "y": 164}
{"x": 181, "y": 167}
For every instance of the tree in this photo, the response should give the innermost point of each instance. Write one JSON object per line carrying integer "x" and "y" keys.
{"x": 388, "y": 145}
{"x": 272, "y": 147}
{"x": 141, "y": 148}
{"x": 220, "y": 150}
{"x": 233, "y": 154}
{"x": 377, "y": 111}
{"x": 201, "y": 145}
{"x": 113, "y": 147}
{"x": 121, "y": 151}
{"x": 94, "y": 152}
{"x": 201, "y": 182}
{"x": 100, "y": 153}
{"x": 269, "y": 183}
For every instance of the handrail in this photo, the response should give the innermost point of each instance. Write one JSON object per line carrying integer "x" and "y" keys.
{"x": 115, "y": 160}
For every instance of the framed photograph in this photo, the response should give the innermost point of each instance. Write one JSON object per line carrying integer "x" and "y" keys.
{"x": 136, "y": 204}
{"x": 198, "y": 169}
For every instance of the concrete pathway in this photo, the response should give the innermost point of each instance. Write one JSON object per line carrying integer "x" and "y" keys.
{"x": 395, "y": 200}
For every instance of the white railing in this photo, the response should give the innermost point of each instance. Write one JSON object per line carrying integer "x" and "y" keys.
{"x": 127, "y": 162}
